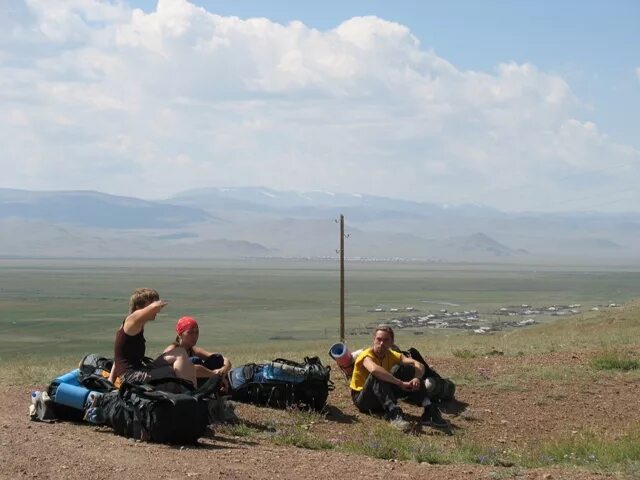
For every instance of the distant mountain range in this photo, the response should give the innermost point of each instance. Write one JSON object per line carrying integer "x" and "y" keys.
{"x": 261, "y": 222}
{"x": 94, "y": 209}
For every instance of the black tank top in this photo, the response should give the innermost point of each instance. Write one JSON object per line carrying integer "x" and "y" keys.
{"x": 128, "y": 351}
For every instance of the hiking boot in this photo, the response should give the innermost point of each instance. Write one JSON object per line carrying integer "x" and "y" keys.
{"x": 432, "y": 418}
{"x": 398, "y": 422}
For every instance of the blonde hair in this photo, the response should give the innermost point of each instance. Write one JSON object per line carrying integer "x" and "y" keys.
{"x": 141, "y": 298}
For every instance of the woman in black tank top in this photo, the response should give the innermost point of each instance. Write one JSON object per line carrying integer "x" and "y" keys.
{"x": 129, "y": 345}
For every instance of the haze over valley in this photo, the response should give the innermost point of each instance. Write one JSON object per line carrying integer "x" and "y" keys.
{"x": 263, "y": 222}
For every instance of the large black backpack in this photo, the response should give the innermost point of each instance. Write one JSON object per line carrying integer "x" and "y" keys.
{"x": 282, "y": 383}
{"x": 140, "y": 411}
{"x": 444, "y": 389}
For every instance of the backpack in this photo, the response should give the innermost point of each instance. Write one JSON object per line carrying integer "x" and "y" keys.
{"x": 94, "y": 373}
{"x": 282, "y": 383}
{"x": 71, "y": 393}
{"x": 141, "y": 412}
{"x": 444, "y": 389}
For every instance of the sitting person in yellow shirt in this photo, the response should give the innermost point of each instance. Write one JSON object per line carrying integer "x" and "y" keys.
{"x": 381, "y": 376}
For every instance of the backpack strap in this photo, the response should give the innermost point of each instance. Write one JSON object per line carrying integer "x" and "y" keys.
{"x": 145, "y": 390}
{"x": 178, "y": 380}
{"x": 312, "y": 360}
{"x": 147, "y": 362}
{"x": 96, "y": 382}
{"x": 207, "y": 389}
{"x": 415, "y": 354}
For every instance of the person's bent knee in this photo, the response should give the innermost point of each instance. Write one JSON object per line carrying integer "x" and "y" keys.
{"x": 403, "y": 372}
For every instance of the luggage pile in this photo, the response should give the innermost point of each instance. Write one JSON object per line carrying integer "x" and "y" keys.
{"x": 169, "y": 410}
{"x": 140, "y": 411}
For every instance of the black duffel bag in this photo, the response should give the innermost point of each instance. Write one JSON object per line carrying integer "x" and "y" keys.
{"x": 142, "y": 412}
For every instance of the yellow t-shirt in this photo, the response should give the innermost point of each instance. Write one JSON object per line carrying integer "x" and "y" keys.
{"x": 360, "y": 373}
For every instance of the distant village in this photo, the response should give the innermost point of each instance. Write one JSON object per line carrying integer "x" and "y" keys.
{"x": 472, "y": 320}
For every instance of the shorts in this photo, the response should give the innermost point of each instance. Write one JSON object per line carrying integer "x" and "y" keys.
{"x": 157, "y": 369}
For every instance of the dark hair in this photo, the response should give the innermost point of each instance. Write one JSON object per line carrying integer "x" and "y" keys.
{"x": 385, "y": 328}
{"x": 141, "y": 298}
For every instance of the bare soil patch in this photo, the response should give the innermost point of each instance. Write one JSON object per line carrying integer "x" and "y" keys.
{"x": 512, "y": 405}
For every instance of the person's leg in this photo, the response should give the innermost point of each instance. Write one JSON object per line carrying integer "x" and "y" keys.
{"x": 377, "y": 396}
{"x": 365, "y": 400}
{"x": 431, "y": 415}
{"x": 407, "y": 373}
{"x": 181, "y": 364}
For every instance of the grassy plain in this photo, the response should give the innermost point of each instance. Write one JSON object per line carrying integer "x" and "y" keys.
{"x": 59, "y": 310}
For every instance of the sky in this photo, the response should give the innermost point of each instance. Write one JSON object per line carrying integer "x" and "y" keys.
{"x": 518, "y": 105}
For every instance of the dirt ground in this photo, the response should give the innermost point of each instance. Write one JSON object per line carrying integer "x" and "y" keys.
{"x": 509, "y": 414}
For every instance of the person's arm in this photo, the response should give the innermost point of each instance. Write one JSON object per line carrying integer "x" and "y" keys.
{"x": 418, "y": 371}
{"x": 134, "y": 323}
{"x": 204, "y": 354}
{"x": 226, "y": 367}
{"x": 112, "y": 374}
{"x": 384, "y": 376}
{"x": 201, "y": 353}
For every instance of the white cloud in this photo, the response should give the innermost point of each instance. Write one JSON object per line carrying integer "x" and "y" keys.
{"x": 104, "y": 96}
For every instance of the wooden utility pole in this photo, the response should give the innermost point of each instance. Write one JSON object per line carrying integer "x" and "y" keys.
{"x": 342, "y": 278}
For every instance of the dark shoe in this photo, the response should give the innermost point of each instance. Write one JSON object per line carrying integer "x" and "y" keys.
{"x": 432, "y": 418}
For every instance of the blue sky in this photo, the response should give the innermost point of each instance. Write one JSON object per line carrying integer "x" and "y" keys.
{"x": 518, "y": 105}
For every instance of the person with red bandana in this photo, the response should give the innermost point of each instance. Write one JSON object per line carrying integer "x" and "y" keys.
{"x": 207, "y": 364}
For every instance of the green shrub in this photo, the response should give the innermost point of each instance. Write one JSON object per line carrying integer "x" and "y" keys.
{"x": 616, "y": 361}
{"x": 300, "y": 438}
{"x": 238, "y": 430}
{"x": 591, "y": 450}
{"x": 464, "y": 353}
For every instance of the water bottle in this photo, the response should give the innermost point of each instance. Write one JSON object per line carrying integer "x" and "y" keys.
{"x": 283, "y": 372}
{"x": 36, "y": 395}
